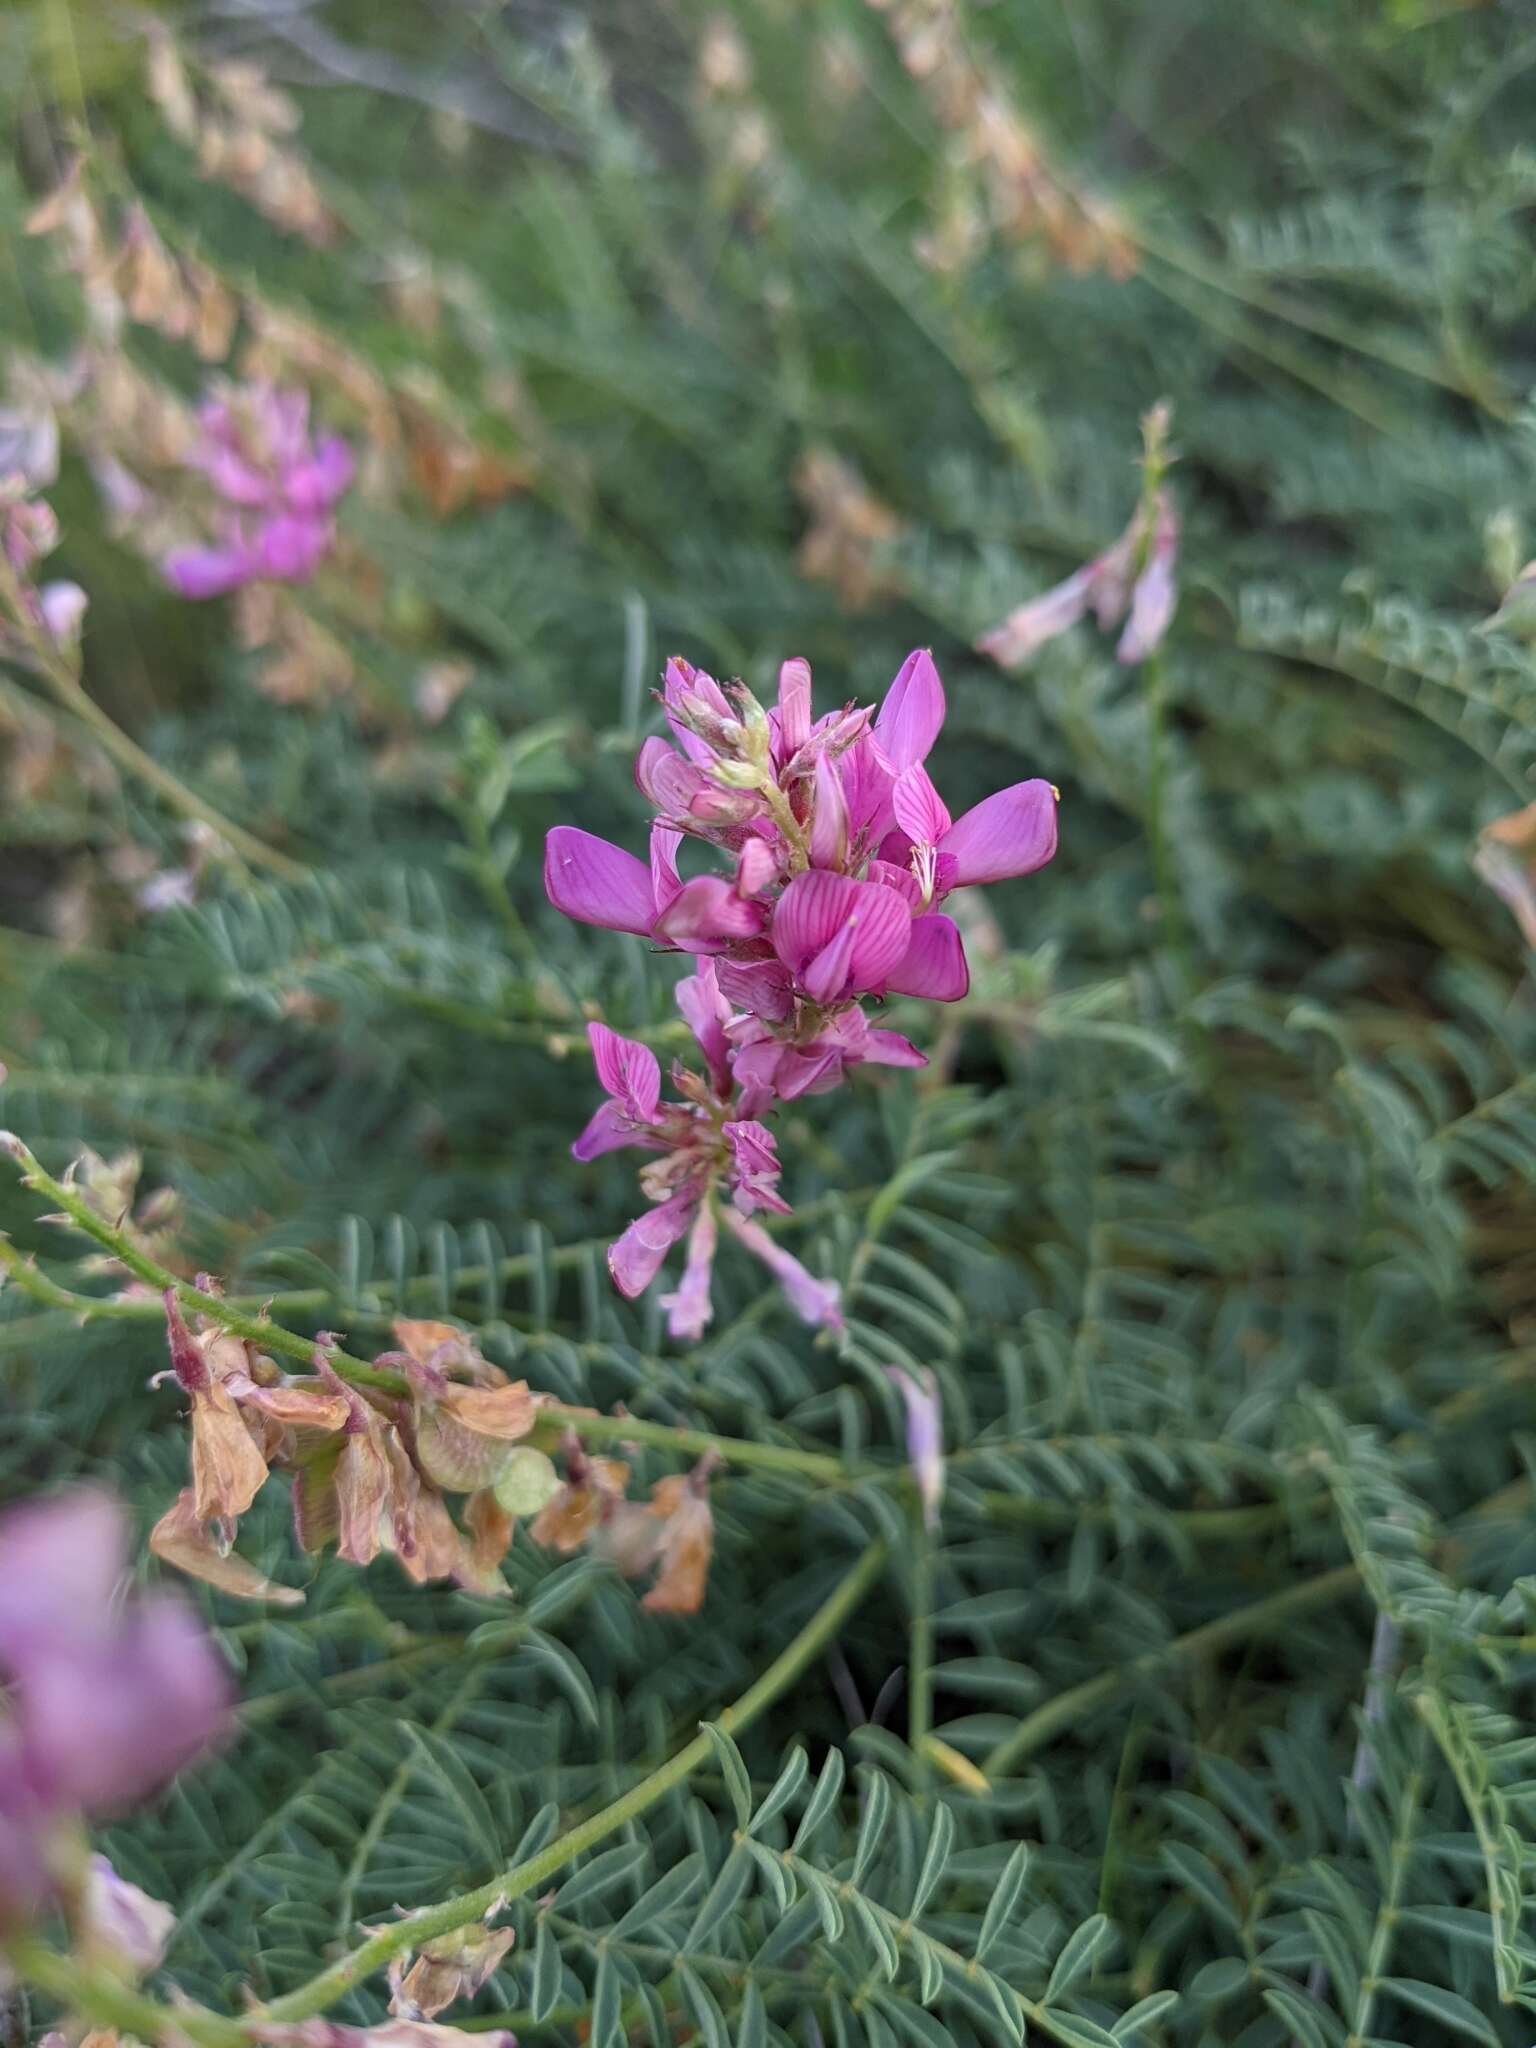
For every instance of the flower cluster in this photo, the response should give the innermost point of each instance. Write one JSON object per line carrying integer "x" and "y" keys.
{"x": 370, "y": 1469}
{"x": 107, "y": 1698}
{"x": 1134, "y": 579}
{"x": 840, "y": 853}
{"x": 277, "y": 487}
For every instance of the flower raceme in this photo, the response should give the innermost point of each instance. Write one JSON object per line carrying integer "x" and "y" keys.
{"x": 839, "y": 853}
{"x": 276, "y": 485}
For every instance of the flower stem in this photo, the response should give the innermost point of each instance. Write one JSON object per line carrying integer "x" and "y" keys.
{"x": 340, "y": 1977}
{"x": 920, "y": 1642}
{"x": 72, "y": 695}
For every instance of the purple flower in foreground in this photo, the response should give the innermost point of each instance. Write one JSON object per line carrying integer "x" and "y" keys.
{"x": 109, "y": 1697}
{"x": 277, "y": 488}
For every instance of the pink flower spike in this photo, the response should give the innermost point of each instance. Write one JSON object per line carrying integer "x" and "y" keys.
{"x": 598, "y": 883}
{"x": 919, "y": 808}
{"x": 935, "y": 964}
{"x": 909, "y": 720}
{"x": 1008, "y": 834}
{"x": 629, "y": 1071}
{"x": 635, "y": 1259}
{"x": 315, "y": 485}
{"x": 925, "y": 1440}
{"x": 689, "y": 1309}
{"x": 830, "y": 925}
{"x": 814, "y": 1301}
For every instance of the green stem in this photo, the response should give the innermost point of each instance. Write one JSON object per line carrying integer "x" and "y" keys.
{"x": 1075, "y": 1705}
{"x": 334, "y": 1982}
{"x": 1379, "y": 1954}
{"x": 72, "y": 695}
{"x": 1165, "y": 873}
{"x": 107, "y": 2001}
{"x": 920, "y": 1650}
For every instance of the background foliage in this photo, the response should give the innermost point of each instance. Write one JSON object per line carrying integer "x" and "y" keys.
{"x": 1214, "y": 1213}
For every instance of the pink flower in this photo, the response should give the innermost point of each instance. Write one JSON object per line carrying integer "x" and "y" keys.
{"x": 1136, "y": 576}
{"x": 709, "y": 1147}
{"x": 925, "y": 1438}
{"x": 277, "y": 487}
{"x": 837, "y": 851}
{"x": 109, "y": 1697}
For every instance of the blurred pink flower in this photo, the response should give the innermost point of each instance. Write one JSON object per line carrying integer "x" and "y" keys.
{"x": 109, "y": 1697}
{"x": 277, "y": 488}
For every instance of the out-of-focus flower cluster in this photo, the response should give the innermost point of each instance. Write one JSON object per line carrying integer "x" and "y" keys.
{"x": 107, "y": 1698}
{"x": 276, "y": 486}
{"x": 29, "y": 532}
{"x": 840, "y": 852}
{"x": 1135, "y": 579}
{"x": 998, "y": 173}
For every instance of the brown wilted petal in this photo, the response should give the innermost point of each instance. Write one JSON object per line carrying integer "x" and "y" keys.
{"x": 490, "y": 1529}
{"x": 228, "y": 1471}
{"x": 364, "y": 1490}
{"x": 288, "y": 1403}
{"x": 181, "y": 1539}
{"x": 569, "y": 1519}
{"x": 687, "y": 1543}
{"x": 452, "y": 1967}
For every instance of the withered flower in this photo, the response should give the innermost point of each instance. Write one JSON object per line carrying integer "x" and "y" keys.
{"x": 452, "y": 1967}
{"x": 591, "y": 1486}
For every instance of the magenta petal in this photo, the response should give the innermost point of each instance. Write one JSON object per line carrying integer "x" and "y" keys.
{"x": 890, "y": 1049}
{"x": 920, "y": 810}
{"x": 60, "y": 1564}
{"x": 289, "y": 548}
{"x": 106, "y": 1723}
{"x": 670, "y": 782}
{"x": 707, "y": 913}
{"x": 315, "y": 485}
{"x": 665, "y": 884}
{"x": 934, "y": 965}
{"x": 818, "y": 906}
{"x": 635, "y": 1259}
{"x": 901, "y": 878}
{"x": 1011, "y": 833}
{"x": 913, "y": 711}
{"x": 761, "y": 986}
{"x": 813, "y": 1300}
{"x": 794, "y": 706}
{"x": 1029, "y": 626}
{"x": 689, "y": 1309}
{"x": 629, "y": 1071}
{"x": 681, "y": 679}
{"x": 208, "y": 572}
{"x": 608, "y": 1130}
{"x": 706, "y": 1013}
{"x": 829, "y": 816}
{"x": 596, "y": 882}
